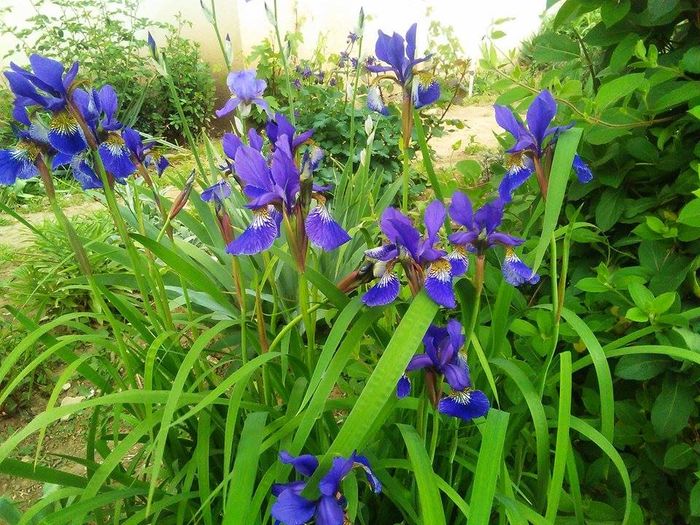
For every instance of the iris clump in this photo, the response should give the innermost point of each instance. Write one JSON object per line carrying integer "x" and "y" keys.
{"x": 82, "y": 122}
{"x": 291, "y": 508}
{"x": 535, "y": 139}
{"x": 423, "y": 264}
{"x": 444, "y": 358}
{"x": 278, "y": 191}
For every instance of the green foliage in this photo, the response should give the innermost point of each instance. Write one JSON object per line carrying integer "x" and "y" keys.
{"x": 46, "y": 280}
{"x": 625, "y": 72}
{"x": 108, "y": 40}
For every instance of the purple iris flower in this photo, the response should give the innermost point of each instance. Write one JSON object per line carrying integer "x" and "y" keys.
{"x": 280, "y": 126}
{"x": 217, "y": 192}
{"x": 291, "y": 508}
{"x": 443, "y": 356}
{"x": 99, "y": 110}
{"x": 480, "y": 234}
{"x": 422, "y": 262}
{"x": 532, "y": 139}
{"x": 48, "y": 85}
{"x": 399, "y": 55}
{"x": 144, "y": 152}
{"x": 272, "y": 190}
{"x": 247, "y": 90}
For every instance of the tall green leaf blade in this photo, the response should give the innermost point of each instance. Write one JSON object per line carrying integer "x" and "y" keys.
{"x": 245, "y": 470}
{"x": 428, "y": 493}
{"x": 487, "y": 467}
{"x": 381, "y": 384}
{"x": 561, "y": 449}
{"x": 556, "y": 190}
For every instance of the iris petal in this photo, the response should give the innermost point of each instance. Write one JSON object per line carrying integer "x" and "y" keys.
{"x": 583, "y": 171}
{"x": 258, "y": 237}
{"x": 403, "y": 387}
{"x": 116, "y": 157}
{"x": 516, "y": 272}
{"x": 384, "y": 292}
{"x": 438, "y": 283}
{"x": 329, "y": 511}
{"x": 323, "y": 231}
{"x": 292, "y": 509}
{"x": 465, "y": 405}
{"x": 65, "y": 134}
{"x": 305, "y": 464}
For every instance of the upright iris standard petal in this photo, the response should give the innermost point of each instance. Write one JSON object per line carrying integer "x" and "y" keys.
{"x": 385, "y": 291}
{"x": 259, "y": 236}
{"x": 323, "y": 231}
{"x": 461, "y": 210}
{"x": 306, "y": 464}
{"x": 218, "y": 191}
{"x": 466, "y": 404}
{"x": 116, "y": 157}
{"x": 540, "y": 115}
{"x": 583, "y": 171}
{"x": 515, "y": 271}
{"x": 65, "y": 134}
{"x": 438, "y": 283}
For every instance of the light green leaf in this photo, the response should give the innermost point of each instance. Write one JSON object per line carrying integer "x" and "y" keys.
{"x": 618, "y": 88}
{"x": 671, "y": 410}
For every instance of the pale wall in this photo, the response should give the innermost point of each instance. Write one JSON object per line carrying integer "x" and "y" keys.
{"x": 247, "y": 22}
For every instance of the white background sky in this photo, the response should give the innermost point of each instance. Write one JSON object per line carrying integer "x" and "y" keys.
{"x": 471, "y": 19}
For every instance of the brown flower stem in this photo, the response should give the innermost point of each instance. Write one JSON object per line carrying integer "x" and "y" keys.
{"x": 541, "y": 177}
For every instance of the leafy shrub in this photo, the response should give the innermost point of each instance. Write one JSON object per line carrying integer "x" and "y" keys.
{"x": 101, "y": 35}
{"x": 629, "y": 74}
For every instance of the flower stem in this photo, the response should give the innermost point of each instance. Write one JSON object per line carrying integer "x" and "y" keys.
{"x": 541, "y": 177}
{"x": 478, "y": 283}
{"x": 85, "y": 267}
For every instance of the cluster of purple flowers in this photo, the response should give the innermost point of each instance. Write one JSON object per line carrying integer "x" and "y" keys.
{"x": 80, "y": 123}
{"x": 432, "y": 268}
{"x": 291, "y": 508}
{"x": 278, "y": 188}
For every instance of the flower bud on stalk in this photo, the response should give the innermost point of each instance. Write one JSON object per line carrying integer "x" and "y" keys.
{"x": 181, "y": 199}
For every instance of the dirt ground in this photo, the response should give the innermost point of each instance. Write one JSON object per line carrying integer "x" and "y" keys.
{"x": 66, "y": 437}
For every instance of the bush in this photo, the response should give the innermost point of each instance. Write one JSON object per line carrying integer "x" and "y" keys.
{"x": 101, "y": 35}
{"x": 629, "y": 74}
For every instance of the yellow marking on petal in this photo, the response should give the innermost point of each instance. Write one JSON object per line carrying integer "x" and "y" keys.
{"x": 63, "y": 122}
{"x": 515, "y": 161}
{"x": 26, "y": 149}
